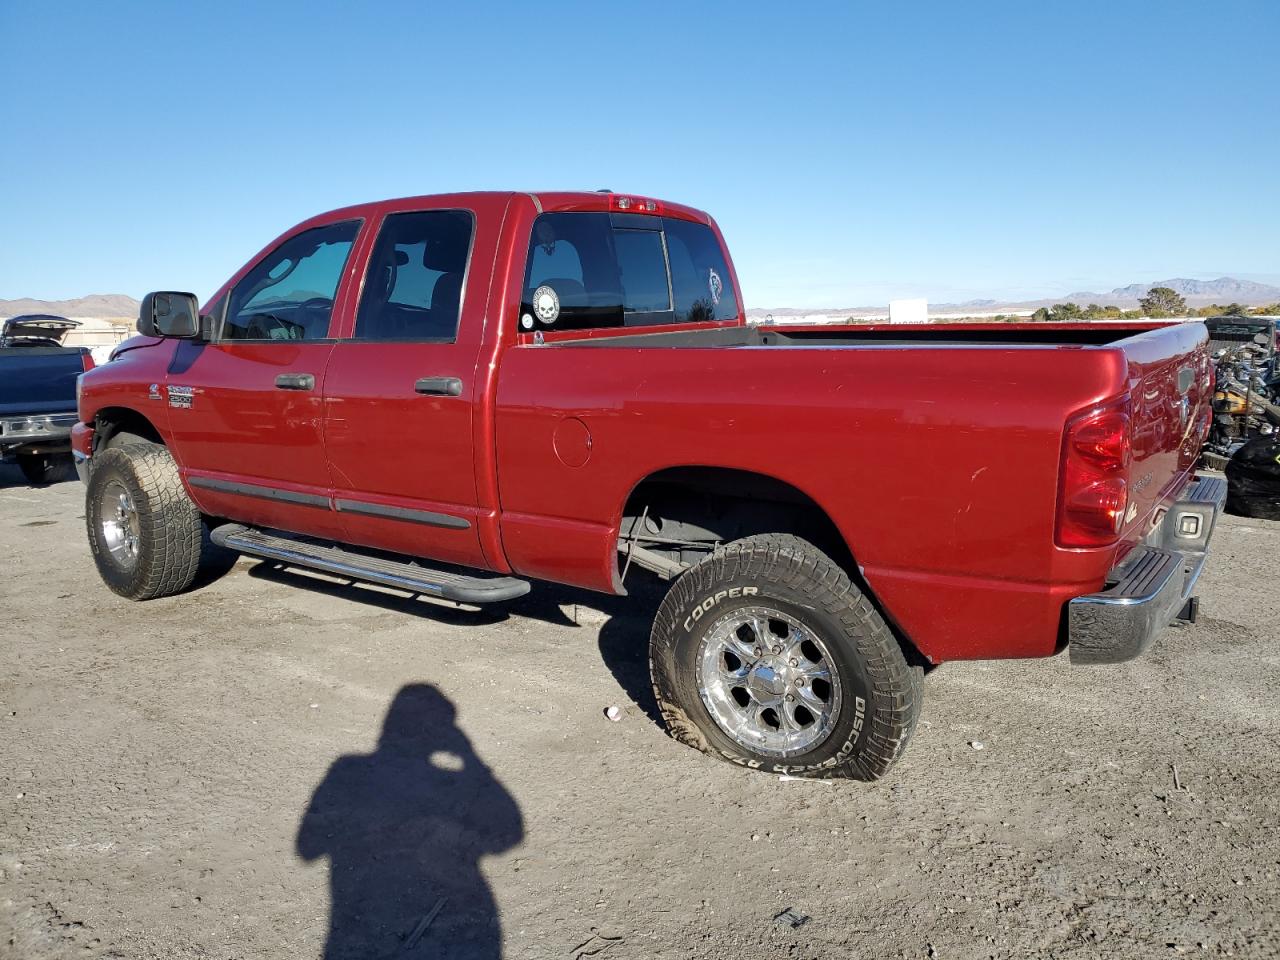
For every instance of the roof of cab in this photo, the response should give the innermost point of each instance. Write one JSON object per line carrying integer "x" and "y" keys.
{"x": 544, "y": 201}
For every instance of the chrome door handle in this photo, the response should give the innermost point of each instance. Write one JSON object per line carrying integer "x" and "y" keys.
{"x": 296, "y": 381}
{"x": 439, "y": 386}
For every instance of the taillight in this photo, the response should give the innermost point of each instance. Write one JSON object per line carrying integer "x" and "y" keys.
{"x": 1094, "y": 493}
{"x": 86, "y": 361}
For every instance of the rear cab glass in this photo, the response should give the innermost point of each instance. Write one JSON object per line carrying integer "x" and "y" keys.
{"x": 591, "y": 270}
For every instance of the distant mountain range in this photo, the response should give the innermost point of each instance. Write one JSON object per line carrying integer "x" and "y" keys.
{"x": 105, "y": 306}
{"x": 1198, "y": 293}
{"x": 1224, "y": 290}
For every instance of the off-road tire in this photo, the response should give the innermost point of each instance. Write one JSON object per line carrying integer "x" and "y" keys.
{"x": 171, "y": 532}
{"x": 124, "y": 438}
{"x": 40, "y": 469}
{"x": 882, "y": 693}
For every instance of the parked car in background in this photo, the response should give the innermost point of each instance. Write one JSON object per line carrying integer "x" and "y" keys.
{"x": 38, "y": 394}
{"x": 563, "y": 386}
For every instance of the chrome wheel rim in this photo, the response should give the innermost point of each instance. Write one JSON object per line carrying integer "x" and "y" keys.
{"x": 768, "y": 681}
{"x": 118, "y": 521}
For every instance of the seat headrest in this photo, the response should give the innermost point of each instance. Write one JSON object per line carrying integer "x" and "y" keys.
{"x": 446, "y": 249}
{"x": 446, "y": 294}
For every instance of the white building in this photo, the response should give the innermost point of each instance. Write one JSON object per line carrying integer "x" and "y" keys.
{"x": 99, "y": 332}
{"x": 909, "y": 311}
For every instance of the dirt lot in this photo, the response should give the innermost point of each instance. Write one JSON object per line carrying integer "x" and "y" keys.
{"x": 179, "y": 778}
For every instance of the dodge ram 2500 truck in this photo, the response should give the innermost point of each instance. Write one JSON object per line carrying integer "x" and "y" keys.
{"x": 508, "y": 387}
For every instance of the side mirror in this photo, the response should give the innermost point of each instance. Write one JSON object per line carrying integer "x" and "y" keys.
{"x": 169, "y": 314}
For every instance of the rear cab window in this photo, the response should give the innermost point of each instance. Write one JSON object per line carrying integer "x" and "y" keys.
{"x": 591, "y": 270}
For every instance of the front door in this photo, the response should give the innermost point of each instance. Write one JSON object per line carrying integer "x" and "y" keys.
{"x": 400, "y": 393}
{"x": 246, "y": 410}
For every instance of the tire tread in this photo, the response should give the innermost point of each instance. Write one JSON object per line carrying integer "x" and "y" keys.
{"x": 170, "y": 526}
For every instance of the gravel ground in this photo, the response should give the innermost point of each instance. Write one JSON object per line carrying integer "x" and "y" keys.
{"x": 278, "y": 758}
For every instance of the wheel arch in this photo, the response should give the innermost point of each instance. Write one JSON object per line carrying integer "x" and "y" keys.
{"x": 111, "y": 421}
{"x": 683, "y": 512}
{"x": 727, "y": 503}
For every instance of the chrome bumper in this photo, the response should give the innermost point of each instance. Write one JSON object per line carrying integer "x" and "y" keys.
{"x": 39, "y": 426}
{"x": 1153, "y": 585}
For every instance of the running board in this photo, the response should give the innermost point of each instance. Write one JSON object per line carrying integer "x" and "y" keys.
{"x": 389, "y": 573}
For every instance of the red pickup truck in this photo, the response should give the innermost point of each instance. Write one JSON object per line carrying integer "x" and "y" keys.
{"x": 458, "y": 394}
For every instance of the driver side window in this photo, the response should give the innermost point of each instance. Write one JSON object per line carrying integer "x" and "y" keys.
{"x": 289, "y": 293}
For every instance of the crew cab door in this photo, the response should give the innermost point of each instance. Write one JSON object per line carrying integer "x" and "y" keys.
{"x": 401, "y": 389}
{"x": 245, "y": 410}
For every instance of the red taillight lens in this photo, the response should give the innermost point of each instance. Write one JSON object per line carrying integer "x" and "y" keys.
{"x": 1102, "y": 441}
{"x": 86, "y": 361}
{"x": 1095, "y": 478}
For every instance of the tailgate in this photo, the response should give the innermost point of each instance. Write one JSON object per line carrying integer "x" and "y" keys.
{"x": 38, "y": 380}
{"x": 1170, "y": 387}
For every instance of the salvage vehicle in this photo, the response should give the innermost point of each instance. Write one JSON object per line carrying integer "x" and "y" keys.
{"x": 38, "y": 395}
{"x": 1246, "y": 395}
{"x": 455, "y": 395}
{"x": 1230, "y": 331}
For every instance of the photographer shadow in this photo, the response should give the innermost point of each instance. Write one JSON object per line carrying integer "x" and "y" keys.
{"x": 404, "y": 829}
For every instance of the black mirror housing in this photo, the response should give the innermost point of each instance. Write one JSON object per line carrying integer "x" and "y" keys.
{"x": 168, "y": 313}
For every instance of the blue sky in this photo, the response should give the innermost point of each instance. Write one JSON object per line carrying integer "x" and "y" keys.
{"x": 851, "y": 152}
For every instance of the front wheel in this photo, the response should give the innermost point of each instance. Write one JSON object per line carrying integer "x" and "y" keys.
{"x": 145, "y": 532}
{"x": 766, "y": 654}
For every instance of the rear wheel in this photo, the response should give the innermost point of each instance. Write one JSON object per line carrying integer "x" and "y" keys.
{"x": 767, "y": 655}
{"x": 145, "y": 532}
{"x": 42, "y": 468}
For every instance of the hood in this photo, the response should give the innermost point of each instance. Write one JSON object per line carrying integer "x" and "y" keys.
{"x": 133, "y": 343}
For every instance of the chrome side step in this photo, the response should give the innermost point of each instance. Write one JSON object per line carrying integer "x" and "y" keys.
{"x": 403, "y": 575}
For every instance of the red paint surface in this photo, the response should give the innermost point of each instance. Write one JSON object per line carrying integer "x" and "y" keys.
{"x": 938, "y": 463}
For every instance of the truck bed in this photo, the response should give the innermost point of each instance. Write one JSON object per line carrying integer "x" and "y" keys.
{"x": 935, "y": 449}
{"x": 898, "y": 335}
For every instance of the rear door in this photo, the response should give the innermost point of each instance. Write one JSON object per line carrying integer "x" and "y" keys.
{"x": 245, "y": 410}
{"x": 401, "y": 389}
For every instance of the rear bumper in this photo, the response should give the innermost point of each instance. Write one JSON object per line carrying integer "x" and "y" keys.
{"x": 1153, "y": 585}
{"x": 36, "y": 433}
